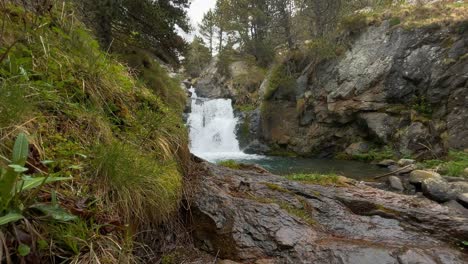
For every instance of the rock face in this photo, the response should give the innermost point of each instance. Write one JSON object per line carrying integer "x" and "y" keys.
{"x": 245, "y": 216}
{"x": 394, "y": 85}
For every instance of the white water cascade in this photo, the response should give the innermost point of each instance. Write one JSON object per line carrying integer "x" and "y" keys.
{"x": 212, "y": 129}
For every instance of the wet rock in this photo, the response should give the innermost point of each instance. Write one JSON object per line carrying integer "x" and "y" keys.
{"x": 406, "y": 162}
{"x": 438, "y": 190}
{"x": 387, "y": 163}
{"x": 459, "y": 186}
{"x": 463, "y": 199}
{"x": 455, "y": 179}
{"x": 380, "y": 124}
{"x": 419, "y": 176}
{"x": 357, "y": 148}
{"x": 396, "y": 183}
{"x": 236, "y": 216}
{"x": 405, "y": 170}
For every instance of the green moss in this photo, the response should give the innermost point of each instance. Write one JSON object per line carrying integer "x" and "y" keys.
{"x": 315, "y": 178}
{"x": 375, "y": 154}
{"x": 232, "y": 164}
{"x": 303, "y": 213}
{"x": 275, "y": 187}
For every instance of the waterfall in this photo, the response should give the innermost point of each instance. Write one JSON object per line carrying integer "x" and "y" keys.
{"x": 212, "y": 127}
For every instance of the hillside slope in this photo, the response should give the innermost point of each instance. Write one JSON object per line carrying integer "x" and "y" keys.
{"x": 115, "y": 134}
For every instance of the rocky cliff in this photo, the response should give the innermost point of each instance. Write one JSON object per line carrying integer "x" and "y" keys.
{"x": 394, "y": 85}
{"x": 401, "y": 87}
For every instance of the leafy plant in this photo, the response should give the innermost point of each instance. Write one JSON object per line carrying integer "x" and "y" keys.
{"x": 14, "y": 185}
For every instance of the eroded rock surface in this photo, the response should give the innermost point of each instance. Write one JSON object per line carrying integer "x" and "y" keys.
{"x": 245, "y": 216}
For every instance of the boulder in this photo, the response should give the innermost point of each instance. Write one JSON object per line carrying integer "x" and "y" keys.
{"x": 419, "y": 176}
{"x": 237, "y": 215}
{"x": 396, "y": 183}
{"x": 465, "y": 172}
{"x": 438, "y": 190}
{"x": 357, "y": 148}
{"x": 405, "y": 170}
{"x": 386, "y": 163}
{"x": 463, "y": 199}
{"x": 406, "y": 162}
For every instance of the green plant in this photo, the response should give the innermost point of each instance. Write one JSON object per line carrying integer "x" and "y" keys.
{"x": 232, "y": 164}
{"x": 453, "y": 165}
{"x": 15, "y": 185}
{"x": 422, "y": 106}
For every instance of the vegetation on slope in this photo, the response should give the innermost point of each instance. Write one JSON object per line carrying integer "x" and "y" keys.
{"x": 117, "y": 135}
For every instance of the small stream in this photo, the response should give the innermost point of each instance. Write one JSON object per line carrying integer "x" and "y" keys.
{"x": 212, "y": 127}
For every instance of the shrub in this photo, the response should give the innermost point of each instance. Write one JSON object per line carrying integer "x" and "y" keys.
{"x": 143, "y": 190}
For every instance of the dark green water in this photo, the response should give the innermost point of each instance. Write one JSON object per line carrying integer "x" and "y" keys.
{"x": 285, "y": 166}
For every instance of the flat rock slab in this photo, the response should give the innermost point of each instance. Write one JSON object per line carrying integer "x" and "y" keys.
{"x": 246, "y": 216}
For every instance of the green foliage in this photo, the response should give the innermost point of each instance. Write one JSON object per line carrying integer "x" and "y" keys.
{"x": 13, "y": 104}
{"x": 14, "y": 200}
{"x": 232, "y": 164}
{"x": 395, "y": 21}
{"x": 315, "y": 178}
{"x": 453, "y": 165}
{"x": 143, "y": 190}
{"x": 422, "y": 106}
{"x": 279, "y": 78}
{"x": 354, "y": 23}
{"x": 70, "y": 96}
{"x": 197, "y": 58}
{"x": 139, "y": 23}
{"x": 225, "y": 58}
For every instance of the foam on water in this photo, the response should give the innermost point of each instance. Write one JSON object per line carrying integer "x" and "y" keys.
{"x": 212, "y": 129}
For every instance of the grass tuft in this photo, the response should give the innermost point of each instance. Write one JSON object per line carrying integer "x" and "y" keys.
{"x": 454, "y": 165}
{"x": 144, "y": 190}
{"x": 232, "y": 164}
{"x": 315, "y": 178}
